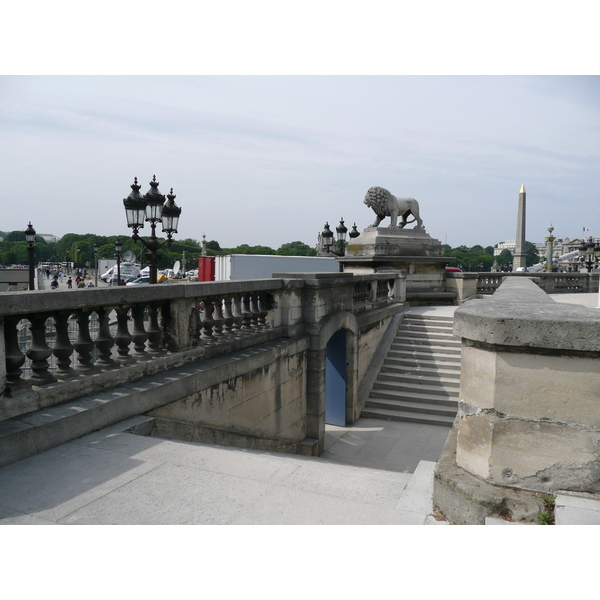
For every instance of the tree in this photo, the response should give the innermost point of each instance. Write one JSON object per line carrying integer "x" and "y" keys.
{"x": 296, "y": 249}
{"x": 531, "y": 254}
{"x": 505, "y": 258}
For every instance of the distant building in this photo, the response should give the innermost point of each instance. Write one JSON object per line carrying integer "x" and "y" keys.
{"x": 48, "y": 237}
{"x": 506, "y": 245}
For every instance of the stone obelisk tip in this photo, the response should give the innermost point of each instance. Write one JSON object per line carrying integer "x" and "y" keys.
{"x": 522, "y": 189}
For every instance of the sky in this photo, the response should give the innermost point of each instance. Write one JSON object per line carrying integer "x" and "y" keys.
{"x": 267, "y": 156}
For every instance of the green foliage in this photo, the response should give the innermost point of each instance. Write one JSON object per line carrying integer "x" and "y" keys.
{"x": 296, "y": 249}
{"x": 531, "y": 257}
{"x": 546, "y": 516}
{"x": 505, "y": 258}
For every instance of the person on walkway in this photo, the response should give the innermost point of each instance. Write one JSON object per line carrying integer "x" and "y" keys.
{"x": 70, "y": 283}
{"x": 54, "y": 284}
{"x": 81, "y": 284}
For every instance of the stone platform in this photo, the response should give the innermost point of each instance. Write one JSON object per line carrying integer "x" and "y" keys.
{"x": 414, "y": 251}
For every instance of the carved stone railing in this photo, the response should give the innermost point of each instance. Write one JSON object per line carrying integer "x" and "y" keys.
{"x": 69, "y": 343}
{"x": 468, "y": 285}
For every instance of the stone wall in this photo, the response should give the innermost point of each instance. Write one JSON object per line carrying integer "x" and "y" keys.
{"x": 268, "y": 400}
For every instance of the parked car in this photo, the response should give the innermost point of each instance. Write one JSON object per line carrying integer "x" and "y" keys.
{"x": 453, "y": 270}
{"x": 143, "y": 280}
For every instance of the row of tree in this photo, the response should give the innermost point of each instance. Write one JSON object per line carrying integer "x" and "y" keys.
{"x": 478, "y": 258}
{"x": 79, "y": 248}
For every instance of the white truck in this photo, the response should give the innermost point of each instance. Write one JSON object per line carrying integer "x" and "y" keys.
{"x": 262, "y": 266}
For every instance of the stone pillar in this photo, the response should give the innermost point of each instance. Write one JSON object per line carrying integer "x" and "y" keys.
{"x": 549, "y": 249}
{"x": 520, "y": 254}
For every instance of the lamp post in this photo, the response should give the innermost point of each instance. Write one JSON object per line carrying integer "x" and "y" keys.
{"x": 151, "y": 207}
{"x": 30, "y": 238}
{"x": 78, "y": 251}
{"x": 96, "y": 264}
{"x": 327, "y": 243}
{"x": 118, "y": 248}
{"x": 67, "y": 261}
{"x": 589, "y": 253}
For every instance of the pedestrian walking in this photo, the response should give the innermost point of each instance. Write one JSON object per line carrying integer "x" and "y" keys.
{"x": 70, "y": 283}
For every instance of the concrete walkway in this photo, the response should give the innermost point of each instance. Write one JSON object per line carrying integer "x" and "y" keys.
{"x": 115, "y": 477}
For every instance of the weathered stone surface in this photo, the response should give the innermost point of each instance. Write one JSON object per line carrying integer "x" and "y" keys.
{"x": 522, "y": 315}
{"x": 465, "y": 499}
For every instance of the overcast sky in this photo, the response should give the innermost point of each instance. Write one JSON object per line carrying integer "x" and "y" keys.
{"x": 267, "y": 159}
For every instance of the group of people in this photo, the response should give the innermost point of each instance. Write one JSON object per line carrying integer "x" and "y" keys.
{"x": 79, "y": 282}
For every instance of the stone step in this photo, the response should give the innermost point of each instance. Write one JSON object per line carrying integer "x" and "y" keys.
{"x": 420, "y": 379}
{"x": 412, "y": 406}
{"x": 415, "y": 317}
{"x": 407, "y": 416}
{"x": 425, "y": 350}
{"x": 412, "y": 396}
{"x": 415, "y": 387}
{"x": 430, "y": 335}
{"x": 427, "y": 341}
{"x": 410, "y": 362}
{"x": 434, "y": 371}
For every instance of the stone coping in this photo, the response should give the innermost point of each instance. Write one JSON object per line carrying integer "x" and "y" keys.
{"x": 520, "y": 314}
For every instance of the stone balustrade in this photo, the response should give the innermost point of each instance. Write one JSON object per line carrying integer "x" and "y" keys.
{"x": 468, "y": 285}
{"x": 62, "y": 345}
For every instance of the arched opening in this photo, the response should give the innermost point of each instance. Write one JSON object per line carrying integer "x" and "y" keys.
{"x": 335, "y": 379}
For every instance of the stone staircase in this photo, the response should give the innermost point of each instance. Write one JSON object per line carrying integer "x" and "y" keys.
{"x": 420, "y": 377}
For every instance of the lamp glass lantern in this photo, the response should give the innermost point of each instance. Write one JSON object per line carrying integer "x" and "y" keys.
{"x": 341, "y": 231}
{"x": 170, "y": 215}
{"x": 30, "y": 234}
{"x": 135, "y": 207}
{"x": 154, "y": 202}
{"x": 327, "y": 238}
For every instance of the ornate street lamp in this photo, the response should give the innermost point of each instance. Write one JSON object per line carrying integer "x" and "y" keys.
{"x": 151, "y": 207}
{"x": 118, "y": 248}
{"x": 327, "y": 243}
{"x": 30, "y": 238}
{"x": 78, "y": 250}
{"x": 589, "y": 253}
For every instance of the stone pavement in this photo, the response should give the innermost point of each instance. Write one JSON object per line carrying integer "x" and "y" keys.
{"x": 113, "y": 477}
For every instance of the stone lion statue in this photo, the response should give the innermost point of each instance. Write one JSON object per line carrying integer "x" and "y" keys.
{"x": 385, "y": 205}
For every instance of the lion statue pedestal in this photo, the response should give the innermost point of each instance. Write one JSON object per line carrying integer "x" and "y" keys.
{"x": 397, "y": 248}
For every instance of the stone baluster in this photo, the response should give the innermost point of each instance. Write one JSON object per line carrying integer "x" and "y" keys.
{"x": 39, "y": 352}
{"x": 139, "y": 335}
{"x": 14, "y": 357}
{"x": 154, "y": 330}
{"x": 63, "y": 349}
{"x": 218, "y": 318}
{"x": 206, "y": 335}
{"x": 254, "y": 310}
{"x": 263, "y": 311}
{"x": 123, "y": 337}
{"x": 238, "y": 317}
{"x": 228, "y": 319}
{"x": 84, "y": 343}
{"x": 246, "y": 314}
{"x": 104, "y": 341}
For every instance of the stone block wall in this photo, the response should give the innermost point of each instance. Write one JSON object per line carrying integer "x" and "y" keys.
{"x": 268, "y": 400}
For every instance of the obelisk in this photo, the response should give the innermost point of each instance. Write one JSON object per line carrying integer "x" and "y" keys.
{"x": 520, "y": 252}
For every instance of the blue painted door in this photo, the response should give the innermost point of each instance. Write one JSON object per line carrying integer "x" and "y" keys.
{"x": 335, "y": 380}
